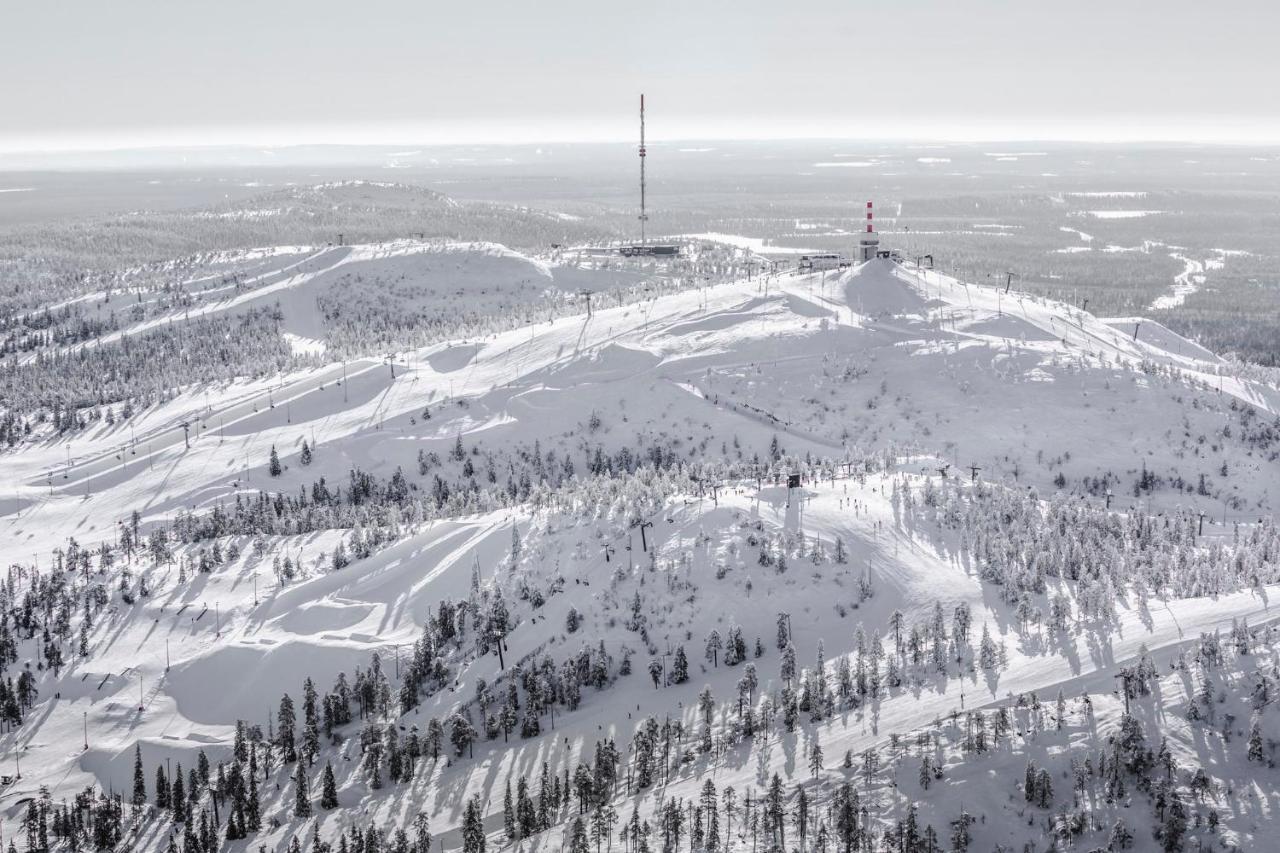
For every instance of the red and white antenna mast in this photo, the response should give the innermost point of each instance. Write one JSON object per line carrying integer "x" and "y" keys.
{"x": 644, "y": 217}
{"x": 869, "y": 228}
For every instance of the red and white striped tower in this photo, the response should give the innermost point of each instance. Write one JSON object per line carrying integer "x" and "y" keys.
{"x": 869, "y": 245}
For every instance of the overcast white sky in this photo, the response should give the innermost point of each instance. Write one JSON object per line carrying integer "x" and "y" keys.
{"x": 123, "y": 73}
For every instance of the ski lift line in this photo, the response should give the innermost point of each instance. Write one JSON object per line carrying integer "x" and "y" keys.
{"x": 174, "y": 430}
{"x": 184, "y": 316}
{"x": 766, "y": 417}
{"x": 605, "y": 341}
{"x": 1127, "y": 354}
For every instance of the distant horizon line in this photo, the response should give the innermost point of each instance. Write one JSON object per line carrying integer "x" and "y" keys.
{"x": 1226, "y": 131}
{"x": 1224, "y": 142}
{"x": 1266, "y": 142}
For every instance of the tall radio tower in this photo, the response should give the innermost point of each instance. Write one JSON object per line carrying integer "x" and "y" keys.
{"x": 644, "y": 217}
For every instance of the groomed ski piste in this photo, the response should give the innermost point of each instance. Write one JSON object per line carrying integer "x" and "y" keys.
{"x": 898, "y": 394}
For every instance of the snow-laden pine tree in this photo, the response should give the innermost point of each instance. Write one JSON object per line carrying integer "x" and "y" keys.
{"x": 328, "y": 788}
{"x": 301, "y": 791}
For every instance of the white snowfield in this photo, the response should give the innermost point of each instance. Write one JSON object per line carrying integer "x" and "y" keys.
{"x": 292, "y": 277}
{"x": 882, "y": 358}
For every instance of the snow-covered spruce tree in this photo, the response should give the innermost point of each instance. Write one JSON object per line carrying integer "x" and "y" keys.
{"x": 462, "y": 734}
{"x": 285, "y": 723}
{"x": 508, "y": 813}
{"x": 328, "y": 788}
{"x": 178, "y": 797}
{"x": 1255, "y": 742}
{"x": 162, "y": 788}
{"x": 815, "y": 757}
{"x": 713, "y": 647}
{"x": 310, "y": 722}
{"x": 139, "y": 779}
{"x": 680, "y": 667}
{"x": 301, "y": 791}
{"x": 473, "y": 837}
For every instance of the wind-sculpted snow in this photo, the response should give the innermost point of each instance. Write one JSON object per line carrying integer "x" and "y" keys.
{"x": 874, "y": 290}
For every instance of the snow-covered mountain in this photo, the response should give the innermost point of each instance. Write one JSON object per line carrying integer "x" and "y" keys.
{"x": 567, "y": 540}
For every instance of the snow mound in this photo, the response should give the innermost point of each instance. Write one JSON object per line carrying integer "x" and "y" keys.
{"x": 452, "y": 358}
{"x": 1156, "y": 336}
{"x": 320, "y": 617}
{"x": 1009, "y": 327}
{"x": 748, "y": 312}
{"x": 878, "y": 288}
{"x": 611, "y": 363}
{"x": 230, "y": 683}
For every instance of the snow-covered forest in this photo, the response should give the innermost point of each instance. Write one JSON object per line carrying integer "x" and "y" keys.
{"x": 461, "y": 532}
